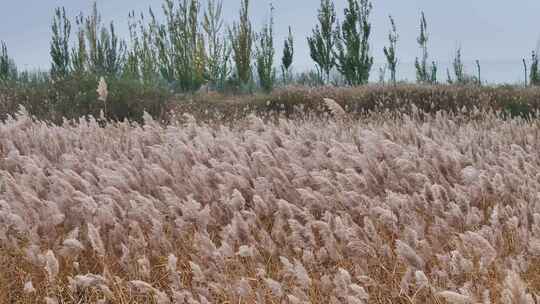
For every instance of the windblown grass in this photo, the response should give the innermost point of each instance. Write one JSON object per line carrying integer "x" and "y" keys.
{"x": 385, "y": 209}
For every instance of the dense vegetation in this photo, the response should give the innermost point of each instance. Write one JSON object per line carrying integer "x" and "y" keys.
{"x": 163, "y": 62}
{"x": 274, "y": 186}
{"x": 418, "y": 208}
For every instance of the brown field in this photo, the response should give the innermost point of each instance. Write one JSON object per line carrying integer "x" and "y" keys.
{"x": 379, "y": 209}
{"x": 130, "y": 100}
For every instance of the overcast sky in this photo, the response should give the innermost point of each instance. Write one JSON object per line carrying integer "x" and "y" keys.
{"x": 498, "y": 33}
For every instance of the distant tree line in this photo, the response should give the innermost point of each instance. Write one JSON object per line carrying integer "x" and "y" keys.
{"x": 193, "y": 48}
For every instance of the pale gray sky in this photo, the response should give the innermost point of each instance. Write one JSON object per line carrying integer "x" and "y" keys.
{"x": 498, "y": 33}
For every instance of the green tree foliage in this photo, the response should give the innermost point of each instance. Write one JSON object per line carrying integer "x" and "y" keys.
{"x": 147, "y": 50}
{"x": 459, "y": 69}
{"x": 99, "y": 51}
{"x": 79, "y": 55}
{"x": 287, "y": 57}
{"x": 141, "y": 63}
{"x": 323, "y": 40}
{"x": 60, "y": 52}
{"x": 311, "y": 78}
{"x": 218, "y": 48}
{"x": 525, "y": 70}
{"x": 241, "y": 36}
{"x": 95, "y": 55}
{"x": 382, "y": 73}
{"x": 131, "y": 67}
{"x": 352, "y": 43}
{"x": 180, "y": 45}
{"x": 390, "y": 51}
{"x": 265, "y": 55}
{"x": 8, "y": 69}
{"x": 461, "y": 77}
{"x": 424, "y": 72}
{"x": 479, "y": 72}
{"x": 114, "y": 51}
{"x": 106, "y": 52}
{"x": 534, "y": 78}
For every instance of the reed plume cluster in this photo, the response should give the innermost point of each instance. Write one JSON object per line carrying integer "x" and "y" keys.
{"x": 412, "y": 209}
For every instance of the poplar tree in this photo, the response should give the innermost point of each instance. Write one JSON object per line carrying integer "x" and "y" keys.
{"x": 323, "y": 39}
{"x": 479, "y": 74}
{"x": 218, "y": 48}
{"x": 425, "y": 73}
{"x": 147, "y": 52}
{"x": 241, "y": 37}
{"x": 287, "y": 58}
{"x": 390, "y": 51}
{"x": 265, "y": 55}
{"x": 59, "y": 47}
{"x": 459, "y": 69}
{"x": 91, "y": 32}
{"x": 114, "y": 51}
{"x": 99, "y": 50}
{"x": 8, "y": 69}
{"x": 180, "y": 45}
{"x": 525, "y": 71}
{"x": 461, "y": 77}
{"x": 79, "y": 54}
{"x": 535, "y": 72}
{"x": 352, "y": 43}
{"x": 131, "y": 68}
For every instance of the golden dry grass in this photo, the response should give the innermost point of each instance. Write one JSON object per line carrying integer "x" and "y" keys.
{"x": 384, "y": 209}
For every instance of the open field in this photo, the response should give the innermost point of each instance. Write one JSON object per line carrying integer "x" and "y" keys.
{"x": 377, "y": 210}
{"x": 191, "y": 152}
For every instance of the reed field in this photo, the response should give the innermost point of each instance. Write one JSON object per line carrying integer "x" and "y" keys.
{"x": 184, "y": 155}
{"x": 334, "y": 208}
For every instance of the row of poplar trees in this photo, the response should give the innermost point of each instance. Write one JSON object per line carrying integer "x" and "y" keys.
{"x": 346, "y": 46}
{"x": 190, "y": 48}
{"x": 193, "y": 47}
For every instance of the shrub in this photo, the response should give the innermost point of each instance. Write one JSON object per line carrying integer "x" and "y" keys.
{"x": 361, "y": 100}
{"x": 73, "y": 97}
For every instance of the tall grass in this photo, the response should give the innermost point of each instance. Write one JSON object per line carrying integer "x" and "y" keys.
{"x": 417, "y": 208}
{"x": 190, "y": 50}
